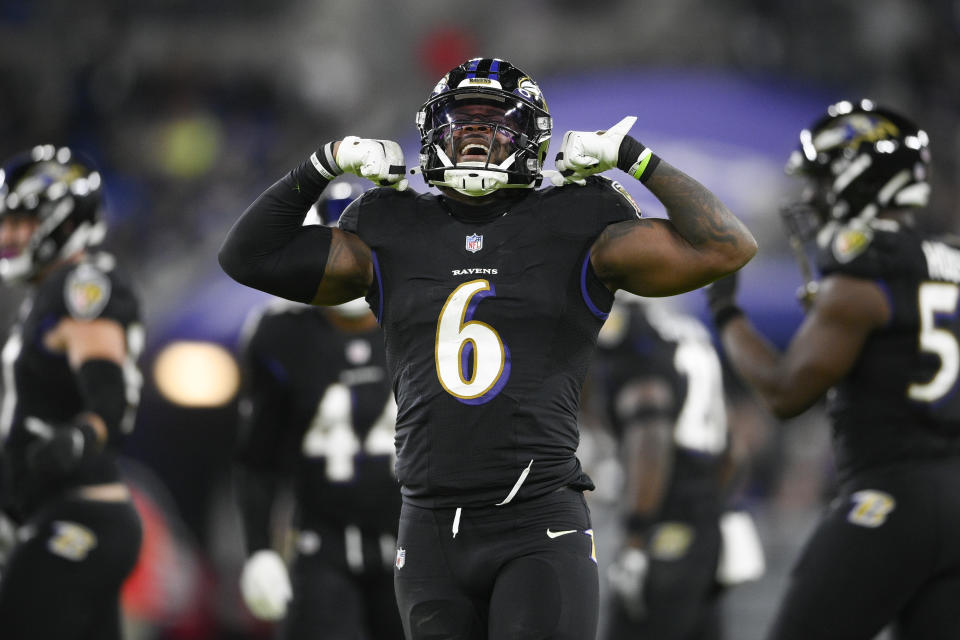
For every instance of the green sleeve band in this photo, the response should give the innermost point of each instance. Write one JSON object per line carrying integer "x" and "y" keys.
{"x": 641, "y": 164}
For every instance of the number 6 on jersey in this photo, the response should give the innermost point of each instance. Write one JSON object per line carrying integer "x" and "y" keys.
{"x": 473, "y": 364}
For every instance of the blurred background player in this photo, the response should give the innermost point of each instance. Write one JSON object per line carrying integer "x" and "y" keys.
{"x": 657, "y": 382}
{"x": 318, "y": 410}
{"x": 881, "y": 336}
{"x": 71, "y": 386}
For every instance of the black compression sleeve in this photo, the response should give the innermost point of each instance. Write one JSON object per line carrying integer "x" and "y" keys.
{"x": 104, "y": 392}
{"x": 256, "y": 491}
{"x": 269, "y": 249}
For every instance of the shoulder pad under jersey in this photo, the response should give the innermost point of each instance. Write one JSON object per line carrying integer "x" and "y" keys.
{"x": 879, "y": 249}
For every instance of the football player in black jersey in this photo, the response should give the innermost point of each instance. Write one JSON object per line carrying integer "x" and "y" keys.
{"x": 318, "y": 412}
{"x": 71, "y": 386}
{"x": 660, "y": 382}
{"x": 881, "y": 336}
{"x": 490, "y": 296}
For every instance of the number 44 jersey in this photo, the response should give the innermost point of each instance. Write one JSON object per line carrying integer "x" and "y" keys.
{"x": 900, "y": 401}
{"x": 317, "y": 406}
{"x": 489, "y": 327}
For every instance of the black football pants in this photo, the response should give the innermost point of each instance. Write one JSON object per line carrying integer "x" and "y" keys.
{"x": 64, "y": 577}
{"x": 524, "y": 570}
{"x": 887, "y": 551}
{"x": 342, "y": 588}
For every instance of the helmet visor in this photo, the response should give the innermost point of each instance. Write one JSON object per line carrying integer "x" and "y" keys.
{"x": 477, "y": 127}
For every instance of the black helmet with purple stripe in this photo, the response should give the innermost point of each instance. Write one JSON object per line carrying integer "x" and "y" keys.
{"x": 485, "y": 126}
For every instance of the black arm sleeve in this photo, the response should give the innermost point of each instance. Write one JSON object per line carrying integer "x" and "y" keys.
{"x": 269, "y": 249}
{"x": 256, "y": 491}
{"x": 104, "y": 393}
{"x": 263, "y": 444}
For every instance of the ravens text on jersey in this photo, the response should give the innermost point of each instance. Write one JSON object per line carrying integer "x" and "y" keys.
{"x": 494, "y": 360}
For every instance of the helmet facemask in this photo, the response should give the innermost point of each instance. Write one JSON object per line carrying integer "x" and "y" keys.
{"x": 806, "y": 214}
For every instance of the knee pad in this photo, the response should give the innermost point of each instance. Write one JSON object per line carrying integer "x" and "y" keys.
{"x": 437, "y": 619}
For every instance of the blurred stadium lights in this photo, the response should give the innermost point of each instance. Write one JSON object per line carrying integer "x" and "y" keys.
{"x": 190, "y": 145}
{"x": 196, "y": 374}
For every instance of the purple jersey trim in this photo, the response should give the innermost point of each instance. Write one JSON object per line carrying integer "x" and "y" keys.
{"x": 594, "y": 309}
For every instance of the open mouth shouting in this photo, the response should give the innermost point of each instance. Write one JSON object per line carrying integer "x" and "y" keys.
{"x": 474, "y": 151}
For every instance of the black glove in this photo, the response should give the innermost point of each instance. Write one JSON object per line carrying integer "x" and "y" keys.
{"x": 722, "y": 300}
{"x": 60, "y": 450}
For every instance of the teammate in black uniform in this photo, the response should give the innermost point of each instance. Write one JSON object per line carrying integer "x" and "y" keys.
{"x": 881, "y": 336}
{"x": 318, "y": 410}
{"x": 662, "y": 384}
{"x": 70, "y": 389}
{"x": 490, "y": 296}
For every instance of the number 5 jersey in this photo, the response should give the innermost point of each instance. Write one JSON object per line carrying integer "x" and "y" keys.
{"x": 899, "y": 402}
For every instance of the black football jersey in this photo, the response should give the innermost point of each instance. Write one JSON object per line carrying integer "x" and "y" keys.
{"x": 40, "y": 384}
{"x": 643, "y": 343}
{"x": 318, "y": 405}
{"x": 900, "y": 401}
{"x": 489, "y": 328}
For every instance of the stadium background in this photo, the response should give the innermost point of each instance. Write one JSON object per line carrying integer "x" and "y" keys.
{"x": 192, "y": 108}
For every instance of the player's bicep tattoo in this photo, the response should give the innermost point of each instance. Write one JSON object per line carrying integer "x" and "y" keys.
{"x": 699, "y": 215}
{"x": 619, "y": 230}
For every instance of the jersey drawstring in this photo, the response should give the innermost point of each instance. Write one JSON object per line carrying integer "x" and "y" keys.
{"x": 456, "y": 521}
{"x": 510, "y": 496}
{"x": 516, "y": 487}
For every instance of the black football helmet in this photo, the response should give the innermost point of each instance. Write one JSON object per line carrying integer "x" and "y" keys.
{"x": 59, "y": 188}
{"x": 859, "y": 159}
{"x": 493, "y": 113}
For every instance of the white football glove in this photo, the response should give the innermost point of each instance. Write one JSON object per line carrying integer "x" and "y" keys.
{"x": 627, "y": 576}
{"x": 741, "y": 551}
{"x": 265, "y": 585}
{"x": 584, "y": 153}
{"x": 378, "y": 160}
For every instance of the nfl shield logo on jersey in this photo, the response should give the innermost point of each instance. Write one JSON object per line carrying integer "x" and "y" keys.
{"x": 474, "y": 243}
{"x": 401, "y": 557}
